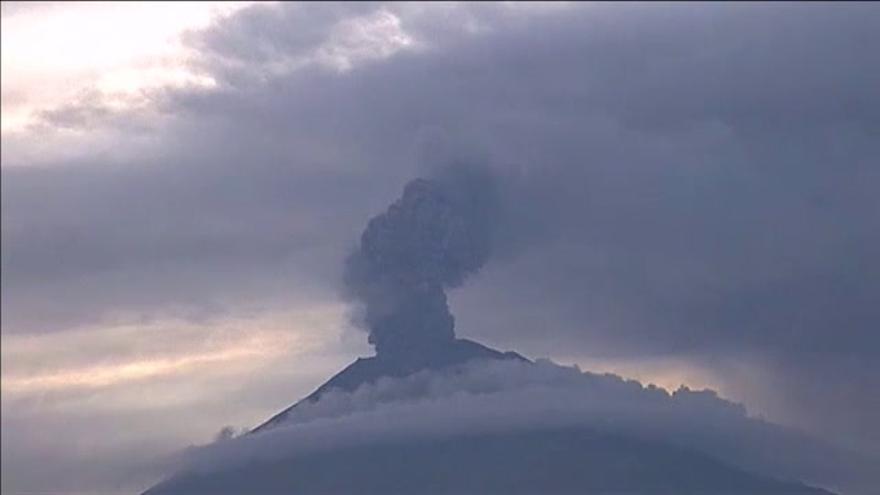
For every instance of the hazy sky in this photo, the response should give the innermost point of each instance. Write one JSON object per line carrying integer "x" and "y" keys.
{"x": 690, "y": 196}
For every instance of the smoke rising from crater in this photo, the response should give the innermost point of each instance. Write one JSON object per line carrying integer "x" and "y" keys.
{"x": 430, "y": 239}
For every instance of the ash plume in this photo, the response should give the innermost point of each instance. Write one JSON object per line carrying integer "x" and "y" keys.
{"x": 430, "y": 239}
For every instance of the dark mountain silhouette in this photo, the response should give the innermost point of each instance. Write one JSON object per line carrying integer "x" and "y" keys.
{"x": 535, "y": 462}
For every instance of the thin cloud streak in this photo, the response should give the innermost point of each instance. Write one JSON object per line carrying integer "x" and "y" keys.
{"x": 102, "y": 376}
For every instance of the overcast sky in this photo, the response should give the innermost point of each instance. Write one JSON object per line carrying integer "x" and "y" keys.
{"x": 691, "y": 194}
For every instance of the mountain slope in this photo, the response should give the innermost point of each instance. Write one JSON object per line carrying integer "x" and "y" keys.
{"x": 368, "y": 370}
{"x": 523, "y": 462}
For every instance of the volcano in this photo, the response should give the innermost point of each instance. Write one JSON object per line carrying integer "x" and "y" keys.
{"x": 464, "y": 418}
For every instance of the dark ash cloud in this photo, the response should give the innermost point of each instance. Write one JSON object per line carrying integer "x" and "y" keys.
{"x": 431, "y": 239}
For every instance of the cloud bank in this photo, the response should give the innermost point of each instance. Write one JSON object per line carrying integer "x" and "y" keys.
{"x": 507, "y": 398}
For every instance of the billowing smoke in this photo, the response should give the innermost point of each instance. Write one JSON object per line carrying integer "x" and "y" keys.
{"x": 430, "y": 239}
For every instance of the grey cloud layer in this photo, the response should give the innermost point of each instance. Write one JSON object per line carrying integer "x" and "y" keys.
{"x": 679, "y": 179}
{"x": 507, "y": 397}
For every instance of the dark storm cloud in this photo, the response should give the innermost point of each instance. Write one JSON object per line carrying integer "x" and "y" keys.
{"x": 84, "y": 240}
{"x": 263, "y": 35}
{"x": 677, "y": 179}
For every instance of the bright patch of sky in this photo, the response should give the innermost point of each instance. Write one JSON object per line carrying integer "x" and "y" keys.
{"x": 55, "y": 52}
